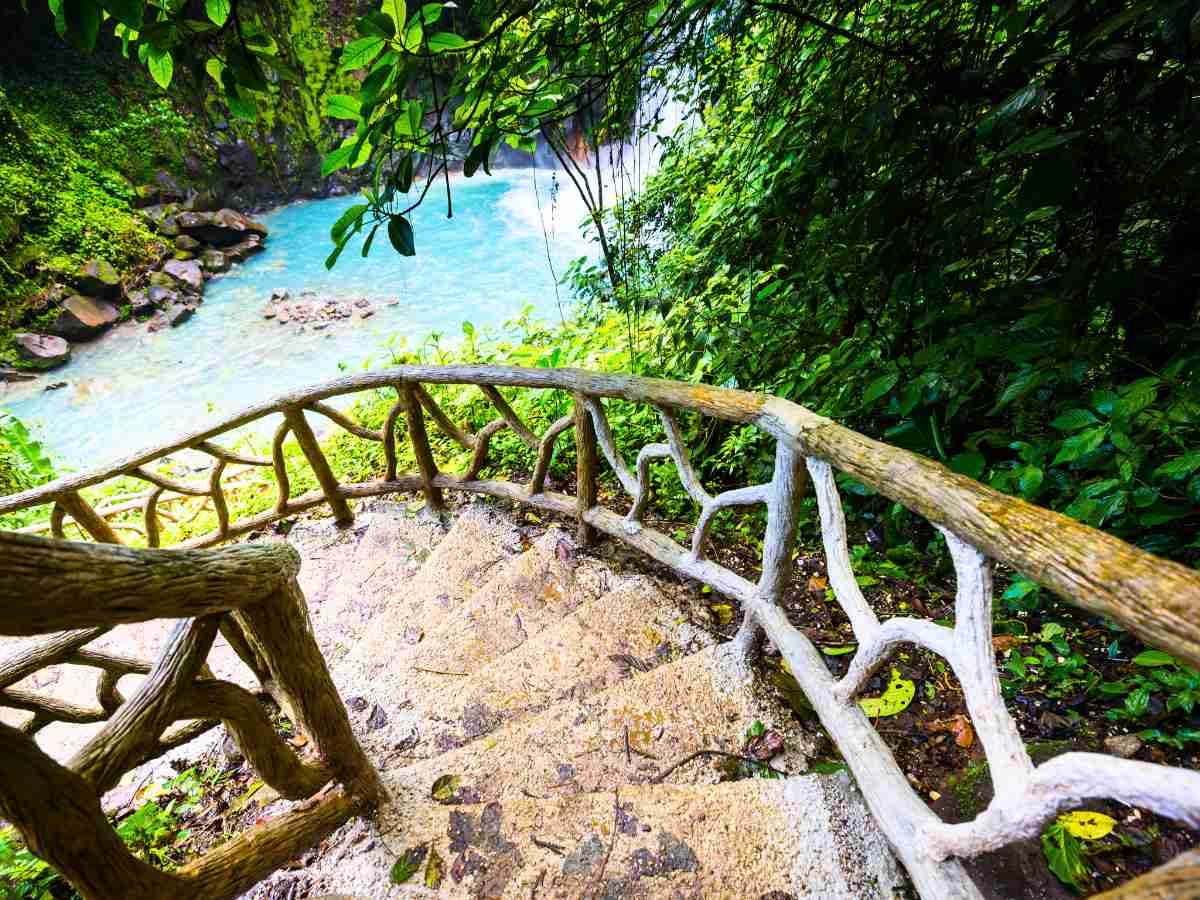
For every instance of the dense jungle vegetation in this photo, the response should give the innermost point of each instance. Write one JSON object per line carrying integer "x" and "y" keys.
{"x": 971, "y": 230}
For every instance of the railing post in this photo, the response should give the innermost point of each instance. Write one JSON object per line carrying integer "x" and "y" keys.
{"x": 87, "y": 518}
{"x": 420, "y": 444}
{"x": 783, "y": 506}
{"x": 278, "y": 630}
{"x": 320, "y": 466}
{"x": 586, "y": 465}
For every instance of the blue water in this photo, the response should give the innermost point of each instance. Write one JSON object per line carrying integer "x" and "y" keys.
{"x": 133, "y": 388}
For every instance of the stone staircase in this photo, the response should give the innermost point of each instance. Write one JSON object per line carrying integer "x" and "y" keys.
{"x": 522, "y": 700}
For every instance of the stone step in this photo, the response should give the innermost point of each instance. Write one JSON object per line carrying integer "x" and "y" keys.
{"x": 383, "y": 691}
{"x": 626, "y": 734}
{"x": 537, "y": 589}
{"x": 364, "y": 578}
{"x": 628, "y": 630}
{"x": 805, "y": 836}
{"x": 462, "y": 562}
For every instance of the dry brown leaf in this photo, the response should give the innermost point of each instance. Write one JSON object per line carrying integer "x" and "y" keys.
{"x": 1006, "y": 642}
{"x": 817, "y": 583}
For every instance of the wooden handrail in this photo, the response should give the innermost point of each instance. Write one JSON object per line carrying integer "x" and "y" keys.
{"x": 49, "y": 585}
{"x": 1156, "y": 599}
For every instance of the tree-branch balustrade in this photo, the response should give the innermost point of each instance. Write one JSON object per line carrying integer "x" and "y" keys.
{"x": 264, "y": 619}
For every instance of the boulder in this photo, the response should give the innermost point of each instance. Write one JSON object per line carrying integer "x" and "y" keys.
{"x": 98, "y": 278}
{"x": 83, "y": 318}
{"x": 188, "y": 243}
{"x": 279, "y": 294}
{"x": 161, "y": 296}
{"x": 201, "y": 201}
{"x": 42, "y": 351}
{"x": 161, "y": 217}
{"x": 244, "y": 250}
{"x": 8, "y": 375}
{"x": 168, "y": 188}
{"x": 214, "y": 261}
{"x": 222, "y": 228}
{"x": 186, "y": 274}
{"x": 238, "y": 159}
{"x": 178, "y": 313}
{"x": 139, "y": 302}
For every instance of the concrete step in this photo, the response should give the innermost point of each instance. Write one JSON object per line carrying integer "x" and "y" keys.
{"x": 350, "y": 575}
{"x": 626, "y": 734}
{"x": 462, "y": 562}
{"x": 406, "y": 671}
{"x": 537, "y": 589}
{"x": 805, "y": 836}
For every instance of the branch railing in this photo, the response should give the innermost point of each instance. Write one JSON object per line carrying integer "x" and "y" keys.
{"x": 1156, "y": 599}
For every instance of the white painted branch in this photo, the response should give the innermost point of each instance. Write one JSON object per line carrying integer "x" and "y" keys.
{"x": 974, "y": 663}
{"x": 747, "y": 496}
{"x": 609, "y": 447}
{"x": 1059, "y": 784}
{"x": 641, "y": 496}
{"x": 874, "y": 651}
{"x": 837, "y": 553}
{"x": 687, "y": 475}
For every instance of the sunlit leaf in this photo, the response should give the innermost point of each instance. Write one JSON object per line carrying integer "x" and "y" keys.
{"x": 1090, "y": 826}
{"x": 895, "y": 698}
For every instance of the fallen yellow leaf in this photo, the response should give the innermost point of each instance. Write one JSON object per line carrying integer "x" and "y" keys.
{"x": 1091, "y": 826}
{"x": 895, "y": 698}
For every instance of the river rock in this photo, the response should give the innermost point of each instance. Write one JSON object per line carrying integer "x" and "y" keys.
{"x": 83, "y": 318}
{"x": 179, "y": 312}
{"x": 201, "y": 201}
{"x": 279, "y": 294}
{"x": 1124, "y": 746}
{"x": 242, "y": 251}
{"x": 222, "y": 228}
{"x": 161, "y": 217}
{"x": 42, "y": 351}
{"x": 10, "y": 375}
{"x": 268, "y": 311}
{"x": 188, "y": 243}
{"x": 183, "y": 255}
{"x": 98, "y": 278}
{"x": 214, "y": 261}
{"x": 366, "y": 313}
{"x": 283, "y": 315}
{"x": 139, "y": 302}
{"x": 185, "y": 273}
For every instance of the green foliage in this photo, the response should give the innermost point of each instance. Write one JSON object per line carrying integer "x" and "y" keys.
{"x": 23, "y": 462}
{"x": 153, "y": 832}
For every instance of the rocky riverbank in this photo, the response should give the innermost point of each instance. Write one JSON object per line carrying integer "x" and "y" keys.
{"x": 197, "y": 240}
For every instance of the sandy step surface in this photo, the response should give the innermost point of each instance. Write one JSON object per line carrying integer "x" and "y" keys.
{"x": 626, "y": 734}
{"x": 801, "y": 837}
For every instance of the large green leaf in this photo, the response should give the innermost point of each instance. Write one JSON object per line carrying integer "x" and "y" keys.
{"x": 346, "y": 219}
{"x": 400, "y": 233}
{"x": 340, "y": 106}
{"x": 397, "y": 11}
{"x": 445, "y": 40}
{"x": 218, "y": 10}
{"x": 161, "y": 66}
{"x": 879, "y": 387}
{"x": 1080, "y": 444}
{"x": 336, "y": 159}
{"x": 358, "y": 54}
